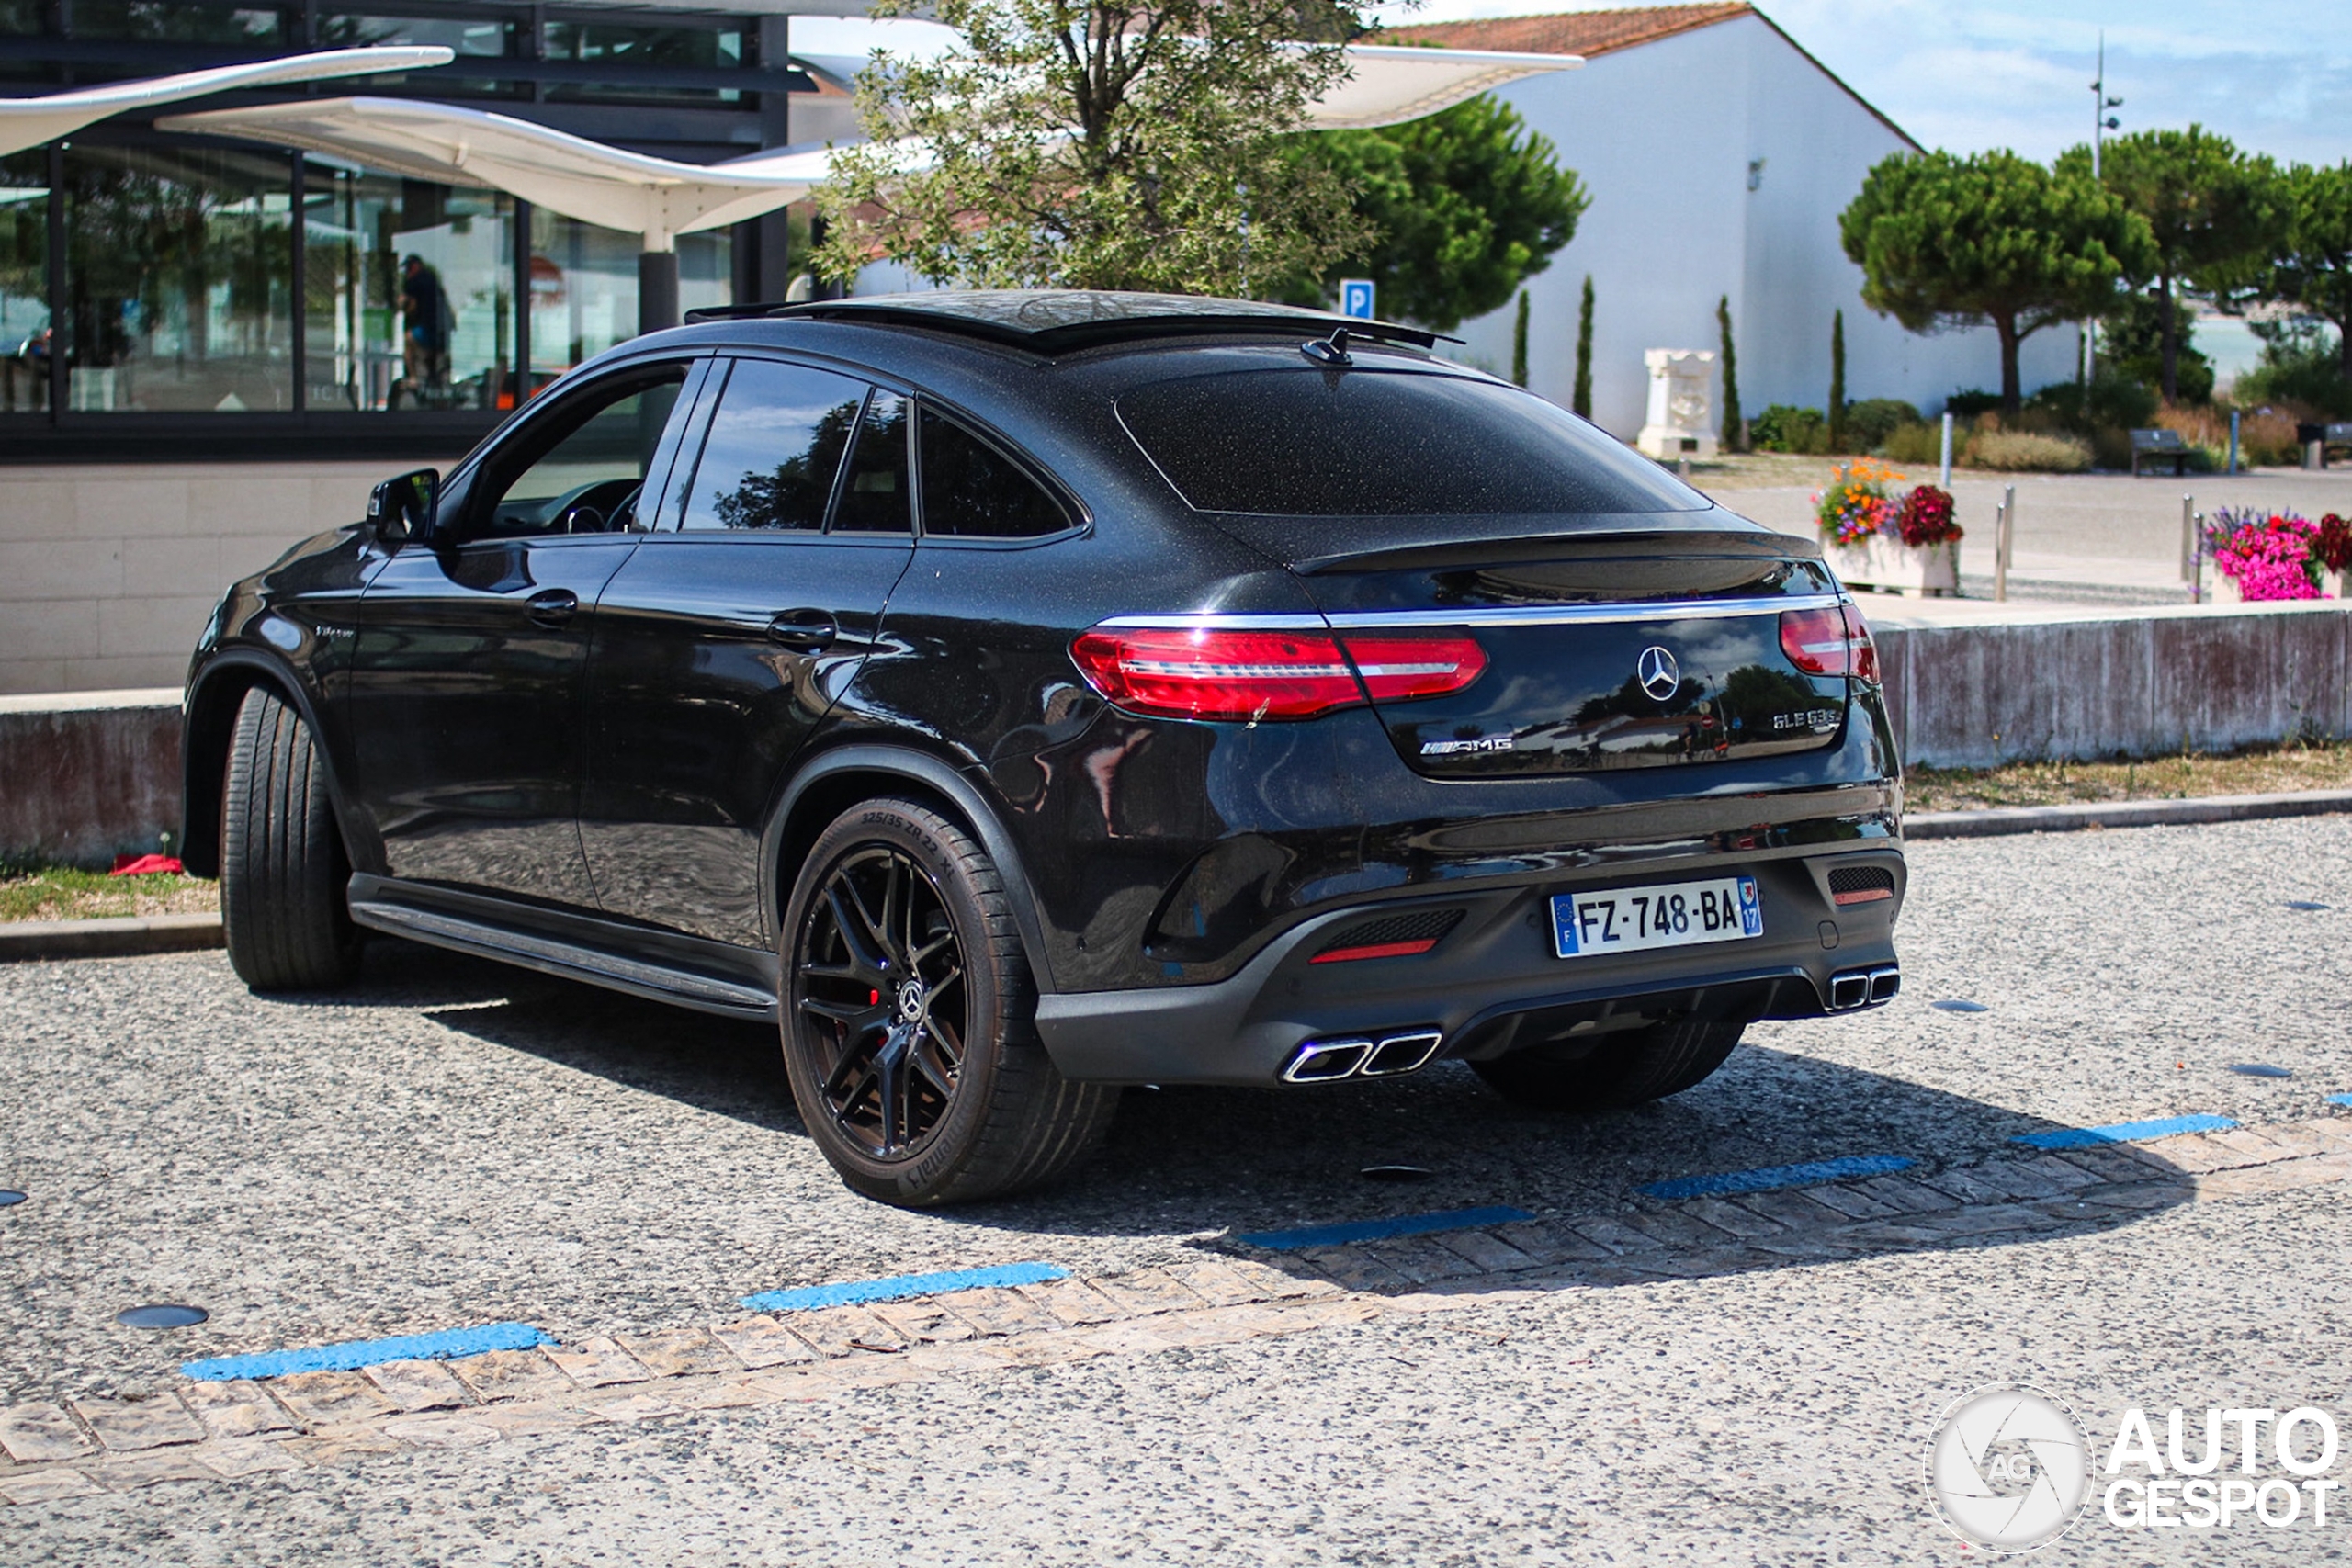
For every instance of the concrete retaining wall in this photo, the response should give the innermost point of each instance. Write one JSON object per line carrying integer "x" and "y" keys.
{"x": 2117, "y": 683}
{"x": 87, "y": 777}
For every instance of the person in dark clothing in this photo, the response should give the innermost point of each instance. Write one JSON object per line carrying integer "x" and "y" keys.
{"x": 424, "y": 306}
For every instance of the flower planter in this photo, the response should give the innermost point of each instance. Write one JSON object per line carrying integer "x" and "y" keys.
{"x": 1894, "y": 567}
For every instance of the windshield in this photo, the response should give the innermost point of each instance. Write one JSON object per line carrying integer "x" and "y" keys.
{"x": 1365, "y": 443}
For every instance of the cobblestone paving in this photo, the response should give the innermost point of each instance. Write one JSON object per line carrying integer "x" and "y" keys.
{"x": 225, "y": 1431}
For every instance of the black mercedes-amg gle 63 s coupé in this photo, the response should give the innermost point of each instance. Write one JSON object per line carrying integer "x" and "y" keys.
{"x": 1016, "y": 696}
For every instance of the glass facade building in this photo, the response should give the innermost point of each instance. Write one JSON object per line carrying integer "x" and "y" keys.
{"x": 172, "y": 295}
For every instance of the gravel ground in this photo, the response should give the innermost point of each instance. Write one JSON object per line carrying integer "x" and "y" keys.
{"x": 452, "y": 1143}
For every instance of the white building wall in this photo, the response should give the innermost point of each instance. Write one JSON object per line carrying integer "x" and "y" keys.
{"x": 1662, "y": 135}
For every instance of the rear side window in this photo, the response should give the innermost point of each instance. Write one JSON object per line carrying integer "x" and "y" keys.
{"x": 775, "y": 447}
{"x": 877, "y": 499}
{"x": 970, "y": 490}
{"x": 1311, "y": 443}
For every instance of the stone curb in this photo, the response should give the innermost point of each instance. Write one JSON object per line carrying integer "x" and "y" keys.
{"x": 1993, "y": 821}
{"x": 26, "y": 942}
{"x": 224, "y": 1431}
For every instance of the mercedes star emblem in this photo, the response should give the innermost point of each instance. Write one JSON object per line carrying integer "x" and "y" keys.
{"x": 1657, "y": 673}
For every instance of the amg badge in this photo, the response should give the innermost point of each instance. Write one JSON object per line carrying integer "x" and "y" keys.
{"x": 1455, "y": 748}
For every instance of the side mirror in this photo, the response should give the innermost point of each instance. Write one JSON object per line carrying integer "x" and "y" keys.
{"x": 401, "y": 509}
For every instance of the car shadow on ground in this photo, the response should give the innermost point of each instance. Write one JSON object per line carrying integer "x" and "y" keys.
{"x": 1207, "y": 1164}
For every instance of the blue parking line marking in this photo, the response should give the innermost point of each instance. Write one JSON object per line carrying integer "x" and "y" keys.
{"x": 1351, "y": 1231}
{"x": 2340, "y": 1100}
{"x": 1767, "y": 1179}
{"x": 351, "y": 1355}
{"x": 2124, "y": 1131}
{"x": 899, "y": 1287}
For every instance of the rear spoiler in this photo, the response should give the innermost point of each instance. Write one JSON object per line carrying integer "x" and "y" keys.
{"x": 1440, "y": 549}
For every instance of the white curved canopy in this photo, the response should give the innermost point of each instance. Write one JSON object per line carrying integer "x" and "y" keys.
{"x": 661, "y": 198}
{"x": 28, "y": 122}
{"x": 1393, "y": 84}
{"x": 657, "y": 197}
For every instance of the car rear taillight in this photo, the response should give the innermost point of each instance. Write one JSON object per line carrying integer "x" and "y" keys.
{"x": 1835, "y": 642}
{"x": 1211, "y": 672}
{"x": 1395, "y": 668}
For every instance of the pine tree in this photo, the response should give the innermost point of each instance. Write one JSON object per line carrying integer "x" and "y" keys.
{"x": 1734, "y": 437}
{"x": 1519, "y": 344}
{"x": 1837, "y": 381}
{"x": 1580, "y": 399}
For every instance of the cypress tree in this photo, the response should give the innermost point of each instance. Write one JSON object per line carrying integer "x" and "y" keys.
{"x": 1519, "y": 344}
{"x": 1734, "y": 437}
{"x": 1838, "y": 382}
{"x": 1581, "y": 400}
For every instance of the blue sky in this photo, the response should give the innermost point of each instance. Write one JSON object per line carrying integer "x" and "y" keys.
{"x": 2275, "y": 76}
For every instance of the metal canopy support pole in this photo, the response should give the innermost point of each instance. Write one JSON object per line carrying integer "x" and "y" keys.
{"x": 2188, "y": 539}
{"x": 774, "y": 272}
{"x": 657, "y": 283}
{"x": 522, "y": 286}
{"x": 1946, "y": 482}
{"x": 61, "y": 336}
{"x": 298, "y": 344}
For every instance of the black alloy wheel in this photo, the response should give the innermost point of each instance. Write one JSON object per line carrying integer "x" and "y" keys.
{"x": 909, "y": 1018}
{"x": 882, "y": 983}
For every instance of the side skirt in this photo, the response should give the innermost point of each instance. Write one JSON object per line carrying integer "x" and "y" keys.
{"x": 662, "y": 966}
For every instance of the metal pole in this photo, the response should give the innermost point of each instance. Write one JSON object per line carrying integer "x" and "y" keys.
{"x": 2188, "y": 539}
{"x": 2234, "y": 441}
{"x": 2004, "y": 530}
{"x": 1946, "y": 482}
{"x": 2197, "y": 564}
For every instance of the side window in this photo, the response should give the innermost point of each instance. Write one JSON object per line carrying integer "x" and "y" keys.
{"x": 971, "y": 490}
{"x": 877, "y": 499}
{"x": 589, "y": 464}
{"x": 775, "y": 447}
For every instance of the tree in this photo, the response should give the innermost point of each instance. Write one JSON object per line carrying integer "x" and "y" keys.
{"x": 2211, "y": 211}
{"x": 1462, "y": 207}
{"x": 2311, "y": 268}
{"x": 1519, "y": 344}
{"x": 1837, "y": 381}
{"x": 1990, "y": 239}
{"x": 1734, "y": 438}
{"x": 1100, "y": 144}
{"x": 1580, "y": 397}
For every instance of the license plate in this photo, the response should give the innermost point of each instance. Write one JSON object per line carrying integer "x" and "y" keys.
{"x": 1633, "y": 919}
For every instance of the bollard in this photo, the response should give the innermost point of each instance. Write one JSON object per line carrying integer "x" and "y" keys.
{"x": 1946, "y": 482}
{"x": 2004, "y": 527}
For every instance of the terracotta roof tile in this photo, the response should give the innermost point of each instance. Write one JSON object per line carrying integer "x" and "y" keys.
{"x": 1589, "y": 33}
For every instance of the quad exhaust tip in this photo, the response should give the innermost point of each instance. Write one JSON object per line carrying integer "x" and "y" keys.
{"x": 1864, "y": 987}
{"x": 1389, "y": 1056}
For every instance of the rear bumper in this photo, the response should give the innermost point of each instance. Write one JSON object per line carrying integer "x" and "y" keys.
{"x": 1491, "y": 985}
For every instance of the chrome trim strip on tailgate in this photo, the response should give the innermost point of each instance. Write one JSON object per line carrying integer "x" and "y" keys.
{"x": 1492, "y": 615}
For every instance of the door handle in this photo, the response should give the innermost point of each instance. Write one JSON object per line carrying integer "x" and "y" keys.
{"x": 804, "y": 631}
{"x": 551, "y": 606}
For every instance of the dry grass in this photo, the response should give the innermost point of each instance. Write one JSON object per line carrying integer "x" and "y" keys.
{"x": 63, "y": 893}
{"x": 2263, "y": 771}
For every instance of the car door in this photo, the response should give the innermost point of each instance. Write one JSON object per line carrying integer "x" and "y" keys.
{"x": 465, "y": 690}
{"x": 725, "y": 639}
